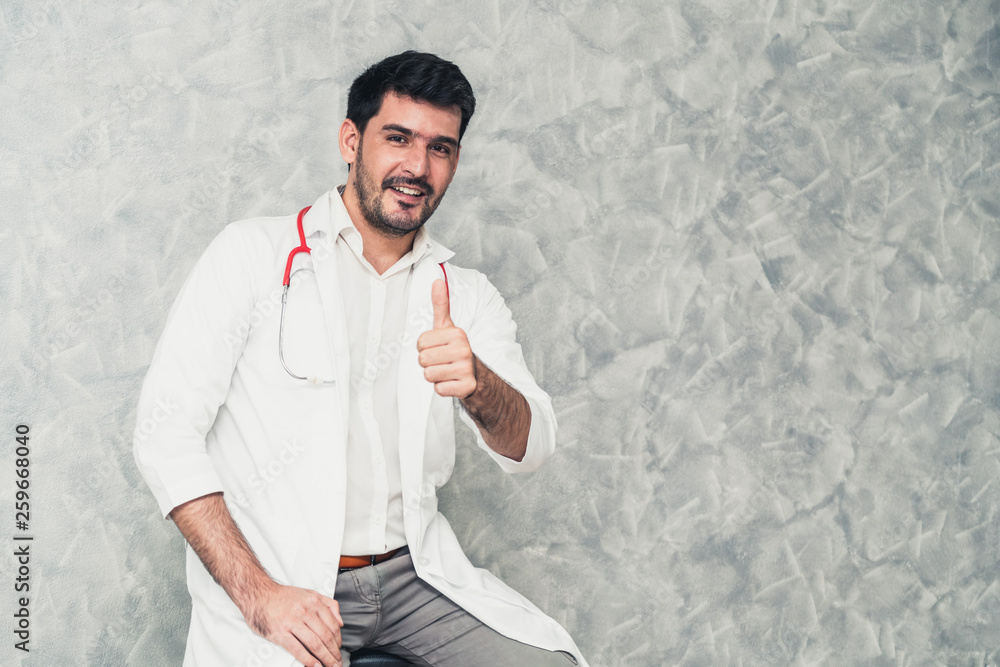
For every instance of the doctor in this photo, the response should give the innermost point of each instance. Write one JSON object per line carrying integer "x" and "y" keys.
{"x": 298, "y": 442}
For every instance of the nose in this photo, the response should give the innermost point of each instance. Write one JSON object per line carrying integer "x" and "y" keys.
{"x": 415, "y": 161}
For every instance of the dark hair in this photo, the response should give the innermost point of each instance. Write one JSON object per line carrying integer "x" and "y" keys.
{"x": 421, "y": 76}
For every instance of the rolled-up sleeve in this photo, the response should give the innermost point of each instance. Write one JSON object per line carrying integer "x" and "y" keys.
{"x": 492, "y": 336}
{"x": 191, "y": 371}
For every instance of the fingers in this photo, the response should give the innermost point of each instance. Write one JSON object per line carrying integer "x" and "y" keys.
{"x": 305, "y": 623}
{"x": 456, "y": 380}
{"x": 334, "y": 607}
{"x": 445, "y": 372}
{"x": 313, "y": 641}
{"x": 325, "y": 623}
{"x": 329, "y": 628}
{"x": 442, "y": 305}
{"x": 296, "y": 647}
{"x": 433, "y": 350}
{"x": 439, "y": 338}
{"x": 459, "y": 389}
{"x": 450, "y": 366}
{"x": 322, "y": 640}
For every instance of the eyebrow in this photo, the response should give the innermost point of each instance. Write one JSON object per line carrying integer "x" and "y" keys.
{"x": 440, "y": 139}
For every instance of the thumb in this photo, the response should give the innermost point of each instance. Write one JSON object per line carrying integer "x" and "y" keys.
{"x": 442, "y": 305}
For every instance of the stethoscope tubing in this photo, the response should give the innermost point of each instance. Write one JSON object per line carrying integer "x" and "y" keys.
{"x": 302, "y": 247}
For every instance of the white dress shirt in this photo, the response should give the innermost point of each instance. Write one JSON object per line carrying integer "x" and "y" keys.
{"x": 377, "y": 309}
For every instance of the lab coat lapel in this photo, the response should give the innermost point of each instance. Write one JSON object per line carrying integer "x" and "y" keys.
{"x": 324, "y": 262}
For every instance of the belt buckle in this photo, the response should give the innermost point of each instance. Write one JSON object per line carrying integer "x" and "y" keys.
{"x": 373, "y": 559}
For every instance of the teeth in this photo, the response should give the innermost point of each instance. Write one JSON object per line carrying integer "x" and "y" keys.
{"x": 407, "y": 191}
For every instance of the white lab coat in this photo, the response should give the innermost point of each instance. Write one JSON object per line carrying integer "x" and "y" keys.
{"x": 219, "y": 413}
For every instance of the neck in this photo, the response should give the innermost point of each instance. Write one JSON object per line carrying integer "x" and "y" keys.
{"x": 380, "y": 249}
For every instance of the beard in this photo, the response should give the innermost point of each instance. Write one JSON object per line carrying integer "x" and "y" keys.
{"x": 372, "y": 204}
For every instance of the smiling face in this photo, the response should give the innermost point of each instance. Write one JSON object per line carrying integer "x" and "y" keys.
{"x": 401, "y": 165}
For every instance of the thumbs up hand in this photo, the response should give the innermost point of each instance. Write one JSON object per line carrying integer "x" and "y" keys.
{"x": 444, "y": 351}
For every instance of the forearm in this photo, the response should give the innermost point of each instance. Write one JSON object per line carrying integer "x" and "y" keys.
{"x": 501, "y": 413}
{"x": 302, "y": 621}
{"x": 211, "y": 531}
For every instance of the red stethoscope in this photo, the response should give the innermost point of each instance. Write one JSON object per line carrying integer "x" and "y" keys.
{"x": 286, "y": 281}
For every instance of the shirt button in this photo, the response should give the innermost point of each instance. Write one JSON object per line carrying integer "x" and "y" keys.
{"x": 379, "y": 460}
{"x": 424, "y": 560}
{"x": 366, "y": 403}
{"x": 378, "y": 521}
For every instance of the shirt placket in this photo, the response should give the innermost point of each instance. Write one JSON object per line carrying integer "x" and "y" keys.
{"x": 380, "y": 479}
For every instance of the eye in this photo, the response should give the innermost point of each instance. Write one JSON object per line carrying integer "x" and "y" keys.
{"x": 396, "y": 138}
{"x": 441, "y": 148}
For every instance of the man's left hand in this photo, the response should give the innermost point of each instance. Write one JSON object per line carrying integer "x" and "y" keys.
{"x": 444, "y": 351}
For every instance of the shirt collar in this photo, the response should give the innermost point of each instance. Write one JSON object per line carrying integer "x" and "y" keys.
{"x": 329, "y": 216}
{"x": 339, "y": 223}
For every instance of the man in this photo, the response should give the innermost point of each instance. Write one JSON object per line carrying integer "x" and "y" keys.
{"x": 298, "y": 443}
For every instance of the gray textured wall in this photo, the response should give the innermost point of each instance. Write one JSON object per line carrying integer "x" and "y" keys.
{"x": 752, "y": 247}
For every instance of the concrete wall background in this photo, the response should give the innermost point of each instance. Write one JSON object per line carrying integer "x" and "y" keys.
{"x": 752, "y": 248}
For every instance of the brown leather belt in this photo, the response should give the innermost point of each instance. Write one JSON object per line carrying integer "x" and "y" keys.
{"x": 354, "y": 562}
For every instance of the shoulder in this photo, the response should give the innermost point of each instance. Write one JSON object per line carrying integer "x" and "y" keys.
{"x": 475, "y": 302}
{"x": 255, "y": 240}
{"x": 246, "y": 254}
{"x": 261, "y": 231}
{"x": 473, "y": 281}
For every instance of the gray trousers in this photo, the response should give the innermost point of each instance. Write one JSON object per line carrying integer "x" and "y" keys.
{"x": 388, "y": 607}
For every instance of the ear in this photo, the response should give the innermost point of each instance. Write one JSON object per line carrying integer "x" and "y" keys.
{"x": 349, "y": 140}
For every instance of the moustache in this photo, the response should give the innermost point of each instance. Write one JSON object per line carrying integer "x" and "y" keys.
{"x": 418, "y": 183}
